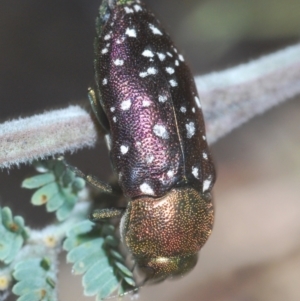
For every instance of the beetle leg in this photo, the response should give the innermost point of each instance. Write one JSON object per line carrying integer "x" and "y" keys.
{"x": 100, "y": 214}
{"x": 97, "y": 109}
{"x": 92, "y": 180}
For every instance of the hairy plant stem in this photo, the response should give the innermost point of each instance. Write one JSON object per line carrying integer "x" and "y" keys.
{"x": 229, "y": 98}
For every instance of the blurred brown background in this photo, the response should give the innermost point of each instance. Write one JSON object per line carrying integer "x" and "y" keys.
{"x": 254, "y": 252}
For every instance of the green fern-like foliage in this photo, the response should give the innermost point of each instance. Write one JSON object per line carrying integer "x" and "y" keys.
{"x": 35, "y": 280}
{"x": 57, "y": 185}
{"x": 13, "y": 233}
{"x": 28, "y": 258}
{"x": 93, "y": 251}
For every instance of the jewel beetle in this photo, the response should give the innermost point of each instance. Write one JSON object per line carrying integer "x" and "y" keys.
{"x": 146, "y": 101}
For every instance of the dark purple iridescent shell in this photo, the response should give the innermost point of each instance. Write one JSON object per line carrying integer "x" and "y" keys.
{"x": 157, "y": 136}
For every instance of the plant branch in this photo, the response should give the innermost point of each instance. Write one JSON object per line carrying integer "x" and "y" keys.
{"x": 229, "y": 98}
{"x": 50, "y": 133}
{"x": 232, "y": 97}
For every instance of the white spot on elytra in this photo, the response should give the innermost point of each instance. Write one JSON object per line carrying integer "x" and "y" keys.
{"x": 137, "y": 8}
{"x": 155, "y": 30}
{"x": 124, "y": 149}
{"x": 160, "y": 131}
{"x": 149, "y": 159}
{"x": 204, "y": 155}
{"x": 177, "y": 63}
{"x": 107, "y": 37}
{"x": 195, "y": 172}
{"x": 126, "y": 104}
{"x": 183, "y": 109}
{"x": 104, "y": 50}
{"x": 112, "y": 109}
{"x": 118, "y": 62}
{"x": 181, "y": 57}
{"x": 151, "y": 70}
{"x": 104, "y": 81}
{"x": 170, "y": 173}
{"x": 115, "y": 119}
{"x": 170, "y": 70}
{"x": 128, "y": 10}
{"x": 169, "y": 54}
{"x": 206, "y": 184}
{"x": 162, "y": 98}
{"x": 143, "y": 74}
{"x": 146, "y": 188}
{"x": 161, "y": 56}
{"x": 175, "y": 49}
{"x": 148, "y": 53}
{"x": 204, "y": 137}
{"x": 120, "y": 40}
{"x": 190, "y": 129}
{"x": 138, "y": 143}
{"x": 173, "y": 83}
{"x": 131, "y": 32}
{"x": 146, "y": 103}
{"x": 193, "y": 110}
{"x": 198, "y": 102}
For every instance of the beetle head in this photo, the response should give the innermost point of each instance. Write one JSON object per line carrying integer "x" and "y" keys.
{"x": 165, "y": 234}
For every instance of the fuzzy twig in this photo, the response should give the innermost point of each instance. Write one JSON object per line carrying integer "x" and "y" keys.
{"x": 232, "y": 97}
{"x": 50, "y": 133}
{"x": 229, "y": 98}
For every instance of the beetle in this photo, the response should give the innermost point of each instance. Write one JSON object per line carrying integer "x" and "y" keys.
{"x": 146, "y": 101}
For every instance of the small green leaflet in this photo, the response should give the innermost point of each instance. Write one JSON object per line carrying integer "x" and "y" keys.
{"x": 57, "y": 187}
{"x": 35, "y": 280}
{"x": 12, "y": 235}
{"x": 93, "y": 251}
